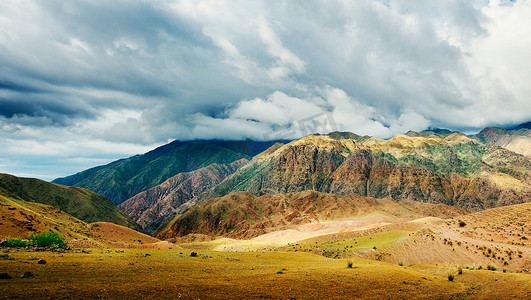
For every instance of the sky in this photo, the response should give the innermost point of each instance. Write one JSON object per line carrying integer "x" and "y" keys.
{"x": 86, "y": 82}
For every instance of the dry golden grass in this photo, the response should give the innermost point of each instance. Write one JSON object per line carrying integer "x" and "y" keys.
{"x": 19, "y": 219}
{"x": 130, "y": 273}
{"x": 508, "y": 224}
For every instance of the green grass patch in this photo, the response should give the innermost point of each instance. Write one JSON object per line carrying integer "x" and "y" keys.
{"x": 16, "y": 243}
{"x": 47, "y": 239}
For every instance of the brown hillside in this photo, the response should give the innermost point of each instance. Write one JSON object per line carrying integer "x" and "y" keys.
{"x": 150, "y": 208}
{"x": 119, "y": 236}
{"x": 78, "y": 202}
{"x": 243, "y": 215}
{"x": 20, "y": 219}
{"x": 518, "y": 141}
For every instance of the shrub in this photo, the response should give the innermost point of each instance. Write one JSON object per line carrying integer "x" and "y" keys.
{"x": 460, "y": 271}
{"x": 450, "y": 277}
{"x": 48, "y": 239}
{"x": 462, "y": 224}
{"x": 401, "y": 263}
{"x": 16, "y": 243}
{"x": 491, "y": 268}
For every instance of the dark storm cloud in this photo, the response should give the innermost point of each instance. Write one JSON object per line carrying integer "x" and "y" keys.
{"x": 18, "y": 87}
{"x": 135, "y": 48}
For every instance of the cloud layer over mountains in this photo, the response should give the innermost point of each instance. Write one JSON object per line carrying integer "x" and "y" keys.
{"x": 83, "y": 82}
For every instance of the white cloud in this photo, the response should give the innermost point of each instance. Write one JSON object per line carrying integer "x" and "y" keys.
{"x": 287, "y": 62}
{"x": 142, "y": 73}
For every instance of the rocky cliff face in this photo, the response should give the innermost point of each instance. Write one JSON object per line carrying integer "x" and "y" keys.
{"x": 152, "y": 207}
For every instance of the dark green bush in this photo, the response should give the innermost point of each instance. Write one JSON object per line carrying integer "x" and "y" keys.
{"x": 450, "y": 277}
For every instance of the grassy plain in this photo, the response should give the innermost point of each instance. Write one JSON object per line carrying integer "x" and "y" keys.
{"x": 173, "y": 273}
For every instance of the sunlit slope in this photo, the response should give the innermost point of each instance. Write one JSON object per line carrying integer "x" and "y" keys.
{"x": 517, "y": 140}
{"x": 243, "y": 215}
{"x": 80, "y": 203}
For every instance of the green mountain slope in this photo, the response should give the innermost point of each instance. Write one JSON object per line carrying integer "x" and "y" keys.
{"x": 80, "y": 203}
{"x": 122, "y": 179}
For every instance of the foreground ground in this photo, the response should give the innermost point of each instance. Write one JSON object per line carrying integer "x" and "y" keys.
{"x": 393, "y": 257}
{"x": 173, "y": 273}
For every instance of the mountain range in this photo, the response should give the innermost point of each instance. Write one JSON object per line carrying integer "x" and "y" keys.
{"x": 517, "y": 139}
{"x": 438, "y": 166}
{"x": 124, "y": 178}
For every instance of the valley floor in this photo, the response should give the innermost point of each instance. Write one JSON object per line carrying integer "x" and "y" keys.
{"x": 173, "y": 273}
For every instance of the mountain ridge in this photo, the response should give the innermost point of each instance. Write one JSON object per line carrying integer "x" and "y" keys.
{"x": 124, "y": 178}
{"x": 517, "y": 140}
{"x": 457, "y": 164}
